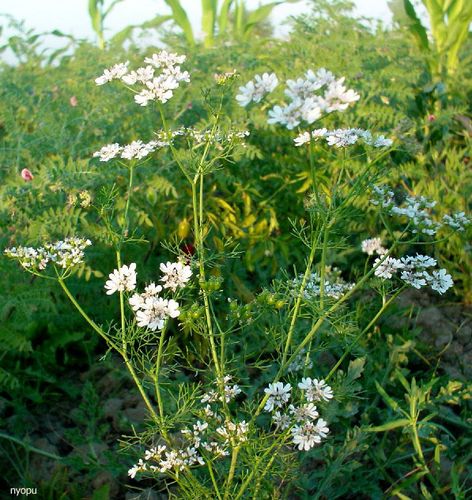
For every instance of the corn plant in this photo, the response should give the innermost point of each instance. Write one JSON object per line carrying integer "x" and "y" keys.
{"x": 450, "y": 21}
{"x": 218, "y": 18}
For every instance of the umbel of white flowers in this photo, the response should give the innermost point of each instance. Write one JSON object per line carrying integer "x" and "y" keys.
{"x": 151, "y": 310}
{"x": 310, "y": 97}
{"x": 418, "y": 211}
{"x": 64, "y": 254}
{"x": 212, "y": 434}
{"x": 156, "y": 81}
{"x": 302, "y": 420}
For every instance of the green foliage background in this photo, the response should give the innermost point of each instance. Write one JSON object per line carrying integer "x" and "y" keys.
{"x": 252, "y": 201}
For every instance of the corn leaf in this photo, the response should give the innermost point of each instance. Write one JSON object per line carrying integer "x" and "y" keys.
{"x": 181, "y": 19}
{"x": 262, "y": 13}
{"x": 208, "y": 20}
{"x": 126, "y": 33}
{"x": 95, "y": 16}
{"x": 224, "y": 15}
{"x": 404, "y": 14}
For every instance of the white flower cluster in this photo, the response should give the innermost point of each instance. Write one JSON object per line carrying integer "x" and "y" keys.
{"x": 175, "y": 275}
{"x": 212, "y": 435}
{"x": 122, "y": 279}
{"x": 116, "y": 72}
{"x": 334, "y": 286}
{"x": 311, "y": 97}
{"x": 64, "y": 253}
{"x": 230, "y": 392}
{"x": 151, "y": 310}
{"x": 373, "y": 245}
{"x": 202, "y": 136}
{"x": 135, "y": 150}
{"x": 343, "y": 137}
{"x": 414, "y": 272}
{"x": 306, "y": 428}
{"x": 256, "y": 89}
{"x": 162, "y": 460}
{"x": 457, "y": 221}
{"x": 158, "y": 87}
{"x": 418, "y": 210}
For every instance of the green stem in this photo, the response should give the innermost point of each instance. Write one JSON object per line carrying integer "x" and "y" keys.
{"x": 158, "y": 369}
{"x": 213, "y": 479}
{"x": 28, "y": 447}
{"x": 298, "y": 300}
{"x": 232, "y": 469}
{"x": 87, "y": 318}
{"x": 385, "y": 305}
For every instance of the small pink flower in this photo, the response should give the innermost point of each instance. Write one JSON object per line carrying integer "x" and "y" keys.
{"x": 431, "y": 118}
{"x": 26, "y": 175}
{"x": 73, "y": 101}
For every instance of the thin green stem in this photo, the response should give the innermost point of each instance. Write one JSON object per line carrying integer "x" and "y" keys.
{"x": 158, "y": 369}
{"x": 87, "y": 317}
{"x": 28, "y": 447}
{"x": 232, "y": 469}
{"x": 385, "y": 305}
{"x": 213, "y": 479}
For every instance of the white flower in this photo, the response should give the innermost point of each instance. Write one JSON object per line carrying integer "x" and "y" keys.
{"x": 423, "y": 261}
{"x": 373, "y": 245}
{"x": 138, "y": 149}
{"x": 382, "y": 196}
{"x": 108, "y": 152}
{"x": 382, "y": 142}
{"x": 256, "y": 90}
{"x": 303, "y": 138}
{"x": 122, "y": 280}
{"x": 338, "y": 98}
{"x": 164, "y": 58}
{"x": 155, "y": 311}
{"x": 308, "y": 434}
{"x": 307, "y": 411}
{"x": 334, "y": 287}
{"x": 144, "y": 97}
{"x": 141, "y": 75}
{"x": 441, "y": 281}
{"x": 316, "y": 390}
{"x": 115, "y": 72}
{"x": 138, "y": 300}
{"x": 281, "y": 420}
{"x": 290, "y": 115}
{"x": 236, "y": 431}
{"x": 267, "y": 81}
{"x": 278, "y": 393}
{"x": 416, "y": 279}
{"x": 139, "y": 467}
{"x": 456, "y": 221}
{"x": 387, "y": 267}
{"x": 175, "y": 275}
